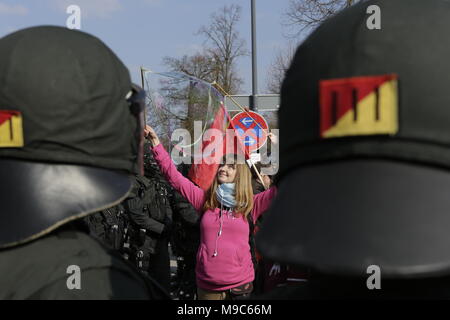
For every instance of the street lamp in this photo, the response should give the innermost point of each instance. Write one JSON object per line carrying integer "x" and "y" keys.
{"x": 253, "y": 100}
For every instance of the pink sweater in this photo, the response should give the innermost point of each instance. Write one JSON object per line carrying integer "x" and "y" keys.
{"x": 232, "y": 266}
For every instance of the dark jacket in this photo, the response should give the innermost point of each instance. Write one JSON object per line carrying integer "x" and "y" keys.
{"x": 39, "y": 270}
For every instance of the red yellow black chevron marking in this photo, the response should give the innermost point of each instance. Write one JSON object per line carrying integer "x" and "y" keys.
{"x": 11, "y": 129}
{"x": 359, "y": 106}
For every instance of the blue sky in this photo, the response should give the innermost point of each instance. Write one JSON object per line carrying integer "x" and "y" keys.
{"x": 142, "y": 32}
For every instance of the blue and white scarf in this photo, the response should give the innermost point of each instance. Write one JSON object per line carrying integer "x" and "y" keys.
{"x": 225, "y": 194}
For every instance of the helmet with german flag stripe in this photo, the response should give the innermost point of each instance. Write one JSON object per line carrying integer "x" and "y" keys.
{"x": 365, "y": 146}
{"x": 71, "y": 130}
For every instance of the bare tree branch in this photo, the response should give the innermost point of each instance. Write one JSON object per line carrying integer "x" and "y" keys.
{"x": 304, "y": 15}
{"x": 278, "y": 68}
{"x": 300, "y": 16}
{"x": 225, "y": 46}
{"x": 217, "y": 62}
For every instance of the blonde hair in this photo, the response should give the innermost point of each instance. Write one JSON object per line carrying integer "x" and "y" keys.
{"x": 244, "y": 192}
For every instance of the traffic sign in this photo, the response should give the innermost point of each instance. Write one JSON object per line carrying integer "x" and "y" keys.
{"x": 266, "y": 102}
{"x": 251, "y": 128}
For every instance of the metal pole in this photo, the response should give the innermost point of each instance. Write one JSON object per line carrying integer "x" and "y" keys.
{"x": 143, "y": 87}
{"x": 253, "y": 99}
{"x": 142, "y": 76}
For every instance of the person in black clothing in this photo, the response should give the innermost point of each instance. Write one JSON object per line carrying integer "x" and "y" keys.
{"x": 185, "y": 240}
{"x": 158, "y": 220}
{"x": 365, "y": 170}
{"x": 141, "y": 227}
{"x": 63, "y": 96}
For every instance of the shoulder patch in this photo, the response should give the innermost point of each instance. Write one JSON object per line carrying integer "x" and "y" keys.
{"x": 11, "y": 129}
{"x": 359, "y": 106}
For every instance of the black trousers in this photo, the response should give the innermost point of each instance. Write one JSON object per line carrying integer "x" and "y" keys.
{"x": 159, "y": 264}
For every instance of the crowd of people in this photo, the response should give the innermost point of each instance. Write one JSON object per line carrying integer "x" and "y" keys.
{"x": 92, "y": 201}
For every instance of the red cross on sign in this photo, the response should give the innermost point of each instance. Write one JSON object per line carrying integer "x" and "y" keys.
{"x": 251, "y": 128}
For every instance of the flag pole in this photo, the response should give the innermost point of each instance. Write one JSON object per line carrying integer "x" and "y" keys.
{"x": 142, "y": 70}
{"x": 217, "y": 86}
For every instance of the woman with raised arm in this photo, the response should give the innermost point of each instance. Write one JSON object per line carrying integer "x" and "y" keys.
{"x": 224, "y": 259}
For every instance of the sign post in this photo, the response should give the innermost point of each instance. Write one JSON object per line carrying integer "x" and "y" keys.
{"x": 266, "y": 102}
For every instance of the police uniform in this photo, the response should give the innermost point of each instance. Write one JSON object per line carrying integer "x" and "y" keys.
{"x": 185, "y": 240}
{"x": 41, "y": 270}
{"x": 70, "y": 137}
{"x": 365, "y": 154}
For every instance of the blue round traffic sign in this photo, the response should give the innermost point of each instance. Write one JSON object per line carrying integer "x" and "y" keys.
{"x": 251, "y": 128}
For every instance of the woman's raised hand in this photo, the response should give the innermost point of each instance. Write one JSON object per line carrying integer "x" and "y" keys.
{"x": 151, "y": 135}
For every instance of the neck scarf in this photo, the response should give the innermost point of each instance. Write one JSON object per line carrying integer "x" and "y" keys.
{"x": 225, "y": 194}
